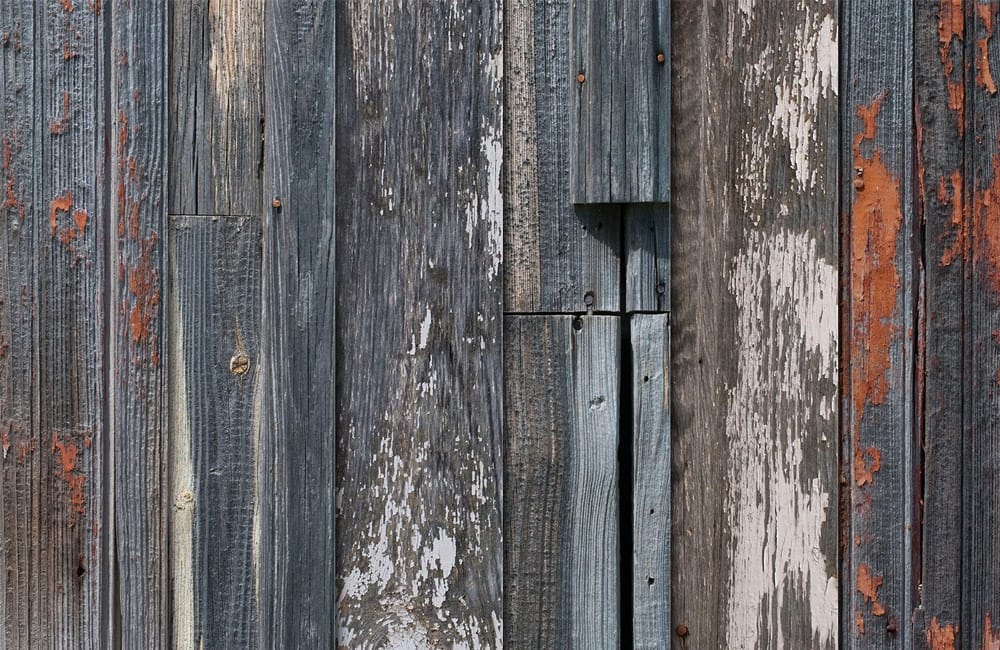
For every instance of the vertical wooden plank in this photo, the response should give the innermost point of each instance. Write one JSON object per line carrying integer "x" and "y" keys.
{"x": 647, "y": 257}
{"x": 878, "y": 112}
{"x": 214, "y": 315}
{"x": 419, "y": 252}
{"x": 216, "y": 106}
{"x": 650, "y": 339}
{"x": 295, "y": 525}
{"x": 561, "y": 472}
{"x": 138, "y": 82}
{"x": 939, "y": 89}
{"x": 556, "y": 254}
{"x": 619, "y": 81}
{"x": 754, "y": 324}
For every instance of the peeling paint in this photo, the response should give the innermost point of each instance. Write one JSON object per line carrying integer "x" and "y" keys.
{"x": 66, "y": 453}
{"x": 958, "y": 222}
{"x": 984, "y": 76}
{"x": 951, "y": 28}
{"x": 868, "y": 586}
{"x": 62, "y": 203}
{"x": 986, "y": 214}
{"x": 57, "y": 127}
{"x": 991, "y": 636}
{"x": 941, "y": 638}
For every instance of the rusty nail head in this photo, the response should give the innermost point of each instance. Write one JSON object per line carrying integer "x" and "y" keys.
{"x": 276, "y": 202}
{"x": 581, "y": 77}
{"x": 660, "y": 58}
{"x": 859, "y": 171}
{"x": 588, "y": 298}
{"x": 239, "y": 364}
{"x": 682, "y": 630}
{"x": 891, "y": 628}
{"x": 859, "y": 184}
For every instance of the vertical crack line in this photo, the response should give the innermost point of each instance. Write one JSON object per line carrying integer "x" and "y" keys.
{"x": 625, "y": 474}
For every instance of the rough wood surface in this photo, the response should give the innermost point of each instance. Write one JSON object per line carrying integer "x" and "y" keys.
{"x": 419, "y": 251}
{"x": 216, "y": 106}
{"x": 754, "y": 324}
{"x": 879, "y": 424}
{"x": 647, "y": 257}
{"x": 295, "y": 452}
{"x": 556, "y": 254}
{"x": 138, "y": 141}
{"x": 618, "y": 80}
{"x": 561, "y": 502}
{"x": 214, "y": 320}
{"x": 650, "y": 340}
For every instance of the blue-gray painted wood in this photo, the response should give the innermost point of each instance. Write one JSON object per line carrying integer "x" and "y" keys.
{"x": 647, "y": 257}
{"x": 619, "y": 87}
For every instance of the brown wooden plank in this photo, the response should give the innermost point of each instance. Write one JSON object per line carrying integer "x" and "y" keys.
{"x": 754, "y": 324}
{"x": 216, "y": 106}
{"x": 561, "y": 554}
{"x": 419, "y": 252}
{"x": 214, "y": 319}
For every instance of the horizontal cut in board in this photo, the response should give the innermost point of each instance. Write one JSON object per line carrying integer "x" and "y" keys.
{"x": 620, "y": 101}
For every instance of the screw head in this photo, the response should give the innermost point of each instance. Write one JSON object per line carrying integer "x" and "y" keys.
{"x": 661, "y": 57}
{"x": 276, "y": 203}
{"x": 588, "y": 298}
{"x": 580, "y": 78}
{"x": 239, "y": 364}
{"x": 682, "y": 630}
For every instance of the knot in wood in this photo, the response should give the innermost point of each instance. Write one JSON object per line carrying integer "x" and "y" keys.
{"x": 239, "y": 364}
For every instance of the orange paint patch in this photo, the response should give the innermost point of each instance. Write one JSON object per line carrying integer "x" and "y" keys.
{"x": 61, "y": 203}
{"x": 991, "y": 637}
{"x": 940, "y": 638}
{"x": 80, "y": 219}
{"x": 67, "y": 453}
{"x": 868, "y": 586}
{"x": 859, "y": 621}
{"x": 958, "y": 221}
{"x": 864, "y": 471}
{"x": 984, "y": 76}
{"x": 67, "y": 5}
{"x": 951, "y": 27}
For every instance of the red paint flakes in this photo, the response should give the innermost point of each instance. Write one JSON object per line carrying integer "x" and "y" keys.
{"x": 80, "y": 219}
{"x": 67, "y": 5}
{"x": 859, "y": 621}
{"x": 61, "y": 203}
{"x": 67, "y": 452}
{"x": 941, "y": 638}
{"x": 143, "y": 284}
{"x": 958, "y": 221}
{"x": 984, "y": 76}
{"x": 865, "y": 471}
{"x": 67, "y": 52}
{"x": 94, "y": 6}
{"x": 11, "y": 199}
{"x": 868, "y": 586}
{"x": 991, "y": 637}
{"x": 951, "y": 27}
{"x": 5, "y": 438}
{"x": 56, "y": 127}
{"x": 986, "y": 216}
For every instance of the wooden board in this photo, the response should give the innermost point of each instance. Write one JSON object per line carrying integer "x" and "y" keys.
{"x": 138, "y": 139}
{"x": 878, "y": 113}
{"x": 214, "y": 320}
{"x": 216, "y": 106}
{"x": 555, "y": 254}
{"x": 419, "y": 252}
{"x": 295, "y": 453}
{"x": 754, "y": 351}
{"x": 647, "y": 257}
{"x": 650, "y": 365}
{"x": 561, "y": 549}
{"x": 618, "y": 81}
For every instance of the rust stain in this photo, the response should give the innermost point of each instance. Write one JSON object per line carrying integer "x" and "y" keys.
{"x": 61, "y": 203}
{"x": 984, "y": 76}
{"x": 941, "y": 638}
{"x": 991, "y": 637}
{"x": 958, "y": 221}
{"x": 951, "y": 27}
{"x": 67, "y": 453}
{"x": 868, "y": 586}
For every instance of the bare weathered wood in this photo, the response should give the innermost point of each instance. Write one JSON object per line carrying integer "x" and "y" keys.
{"x": 214, "y": 319}
{"x": 556, "y": 254}
{"x": 561, "y": 475}
{"x": 619, "y": 86}
{"x": 647, "y": 256}
{"x": 216, "y": 106}
{"x": 878, "y": 116}
{"x": 295, "y": 453}
{"x": 419, "y": 252}
{"x": 650, "y": 347}
{"x": 754, "y": 324}
{"x": 138, "y": 140}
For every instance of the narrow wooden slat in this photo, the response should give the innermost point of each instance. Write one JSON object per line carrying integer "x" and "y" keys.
{"x": 216, "y": 106}
{"x": 561, "y": 475}
{"x": 138, "y": 84}
{"x": 878, "y": 111}
{"x": 619, "y": 78}
{"x": 295, "y": 453}
{"x": 939, "y": 87}
{"x": 555, "y": 253}
{"x": 647, "y": 256}
{"x": 419, "y": 252}
{"x": 754, "y": 324}
{"x": 650, "y": 339}
{"x": 214, "y": 319}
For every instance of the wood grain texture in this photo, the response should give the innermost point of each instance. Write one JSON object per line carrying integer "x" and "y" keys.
{"x": 295, "y": 461}
{"x": 755, "y": 324}
{"x": 650, "y": 349}
{"x": 619, "y": 90}
{"x": 138, "y": 106}
{"x": 52, "y": 416}
{"x": 216, "y": 106}
{"x": 561, "y": 502}
{"x": 214, "y": 320}
{"x": 647, "y": 257}
{"x": 555, "y": 253}
{"x": 878, "y": 113}
{"x": 419, "y": 252}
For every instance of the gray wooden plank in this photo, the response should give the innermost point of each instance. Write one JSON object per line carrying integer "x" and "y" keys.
{"x": 295, "y": 461}
{"x": 419, "y": 271}
{"x": 939, "y": 88}
{"x": 555, "y": 253}
{"x": 878, "y": 113}
{"x": 619, "y": 78}
{"x": 647, "y": 256}
{"x": 214, "y": 321}
{"x": 216, "y": 106}
{"x": 561, "y": 572}
{"x": 650, "y": 350}
{"x": 754, "y": 325}
{"x": 138, "y": 106}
